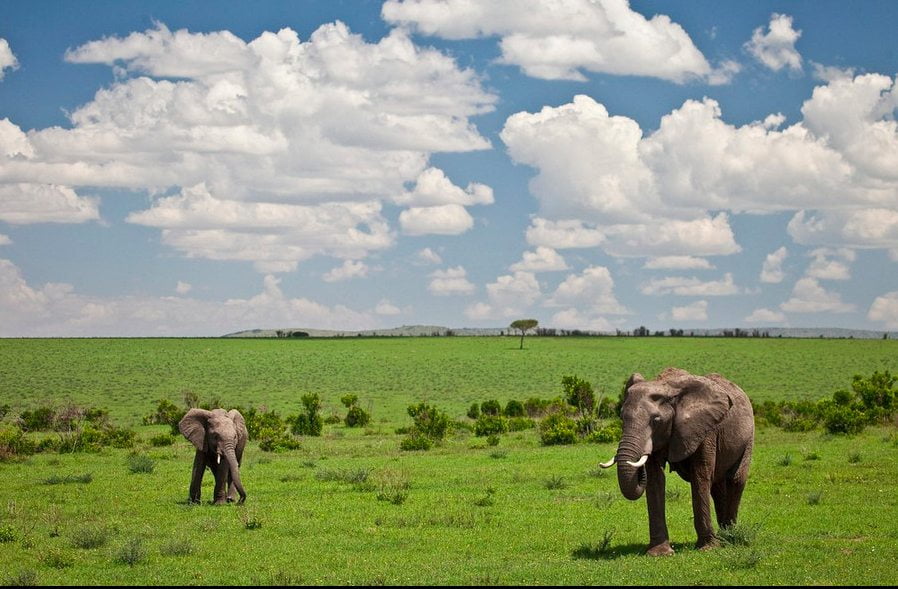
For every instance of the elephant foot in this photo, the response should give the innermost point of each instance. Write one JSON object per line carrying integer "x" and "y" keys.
{"x": 662, "y": 549}
{"x": 707, "y": 543}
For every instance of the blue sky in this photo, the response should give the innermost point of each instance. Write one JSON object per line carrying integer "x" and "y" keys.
{"x": 199, "y": 168}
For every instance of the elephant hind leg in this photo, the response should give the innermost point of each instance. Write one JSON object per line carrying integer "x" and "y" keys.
{"x": 720, "y": 495}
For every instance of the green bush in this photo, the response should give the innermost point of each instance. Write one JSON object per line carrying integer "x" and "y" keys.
{"x": 260, "y": 420}
{"x": 310, "y": 422}
{"x": 514, "y": 409}
{"x": 578, "y": 393}
{"x": 535, "y": 407}
{"x": 161, "y": 440}
{"x": 474, "y": 410}
{"x": 40, "y": 419}
{"x": 277, "y": 440}
{"x": 15, "y": 444}
{"x": 357, "y": 417}
{"x": 839, "y": 419}
{"x": 491, "y": 407}
{"x": 606, "y": 434}
{"x": 132, "y": 552}
{"x": 430, "y": 421}
{"x": 415, "y": 440}
{"x": 517, "y": 424}
{"x": 140, "y": 463}
{"x": 557, "y": 428}
{"x": 490, "y": 424}
{"x": 167, "y": 413}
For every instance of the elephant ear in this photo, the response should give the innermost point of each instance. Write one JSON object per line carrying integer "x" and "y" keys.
{"x": 239, "y": 424}
{"x": 701, "y": 405}
{"x": 193, "y": 426}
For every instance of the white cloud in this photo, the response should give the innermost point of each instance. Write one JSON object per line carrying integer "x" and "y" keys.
{"x": 776, "y": 48}
{"x": 544, "y": 259}
{"x": 317, "y": 131}
{"x": 428, "y": 256}
{"x": 385, "y": 307}
{"x": 564, "y": 234}
{"x": 433, "y": 188}
{"x": 697, "y": 311}
{"x": 573, "y": 318}
{"x": 510, "y": 295}
{"x": 809, "y": 297}
{"x": 57, "y": 310}
{"x": 451, "y": 281}
{"x": 439, "y": 220}
{"x": 764, "y": 315}
{"x": 7, "y": 58}
{"x": 45, "y": 203}
{"x": 560, "y": 39}
{"x": 680, "y": 285}
{"x": 183, "y": 287}
{"x": 828, "y": 73}
{"x": 348, "y": 270}
{"x": 772, "y": 270}
{"x": 885, "y": 310}
{"x": 592, "y": 289}
{"x": 824, "y": 267}
{"x": 5, "y": 240}
{"x": 677, "y": 263}
{"x": 671, "y": 192}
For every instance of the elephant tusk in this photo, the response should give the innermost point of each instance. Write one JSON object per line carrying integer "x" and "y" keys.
{"x": 639, "y": 462}
{"x": 217, "y": 458}
{"x": 610, "y": 463}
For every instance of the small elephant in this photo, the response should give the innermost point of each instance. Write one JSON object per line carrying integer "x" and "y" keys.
{"x": 216, "y": 434}
{"x": 703, "y": 427}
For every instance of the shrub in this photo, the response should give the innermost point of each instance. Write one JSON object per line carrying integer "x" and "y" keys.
{"x": 277, "y": 440}
{"x": 415, "y": 440}
{"x": 309, "y": 423}
{"x": 578, "y": 393}
{"x": 89, "y": 537}
{"x": 15, "y": 444}
{"x": 557, "y": 429}
{"x": 161, "y": 440}
{"x": 841, "y": 419}
{"x": 57, "y": 559}
{"x": 259, "y": 420}
{"x": 167, "y": 413}
{"x": 132, "y": 552}
{"x": 535, "y": 407}
{"x": 357, "y": 417}
{"x": 491, "y": 407}
{"x": 430, "y": 421}
{"x": 514, "y": 409}
{"x": 738, "y": 534}
{"x": 877, "y": 393}
{"x": 40, "y": 419}
{"x": 140, "y": 463}
{"x": 517, "y": 424}
{"x": 606, "y": 434}
{"x": 474, "y": 411}
{"x": 487, "y": 425}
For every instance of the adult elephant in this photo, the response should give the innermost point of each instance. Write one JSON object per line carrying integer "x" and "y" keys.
{"x": 216, "y": 434}
{"x": 703, "y": 426}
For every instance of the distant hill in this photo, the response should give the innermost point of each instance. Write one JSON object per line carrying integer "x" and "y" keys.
{"x": 441, "y": 331}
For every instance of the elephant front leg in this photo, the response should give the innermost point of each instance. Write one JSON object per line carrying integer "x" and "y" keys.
{"x": 659, "y": 542}
{"x": 702, "y": 473}
{"x": 196, "y": 477}
{"x": 221, "y": 483}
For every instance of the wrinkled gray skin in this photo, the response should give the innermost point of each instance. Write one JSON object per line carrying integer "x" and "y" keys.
{"x": 219, "y": 437}
{"x": 703, "y": 426}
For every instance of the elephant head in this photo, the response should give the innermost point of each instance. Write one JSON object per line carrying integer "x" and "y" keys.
{"x": 216, "y": 434}
{"x": 666, "y": 418}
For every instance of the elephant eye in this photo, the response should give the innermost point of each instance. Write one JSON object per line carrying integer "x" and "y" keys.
{"x": 656, "y": 418}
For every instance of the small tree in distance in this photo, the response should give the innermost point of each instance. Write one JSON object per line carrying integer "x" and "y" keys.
{"x": 524, "y": 325}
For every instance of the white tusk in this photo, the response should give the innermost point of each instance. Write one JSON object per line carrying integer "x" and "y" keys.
{"x": 639, "y": 462}
{"x": 610, "y": 463}
{"x": 218, "y": 459}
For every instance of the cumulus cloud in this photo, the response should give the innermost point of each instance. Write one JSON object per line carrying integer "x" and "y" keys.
{"x": 183, "y": 287}
{"x": 772, "y": 270}
{"x": 593, "y": 289}
{"x": 764, "y": 315}
{"x": 348, "y": 270}
{"x": 573, "y": 318}
{"x": 543, "y": 259}
{"x": 451, "y": 281}
{"x": 606, "y": 184}
{"x": 677, "y": 263}
{"x": 22, "y": 203}
{"x": 809, "y": 297}
{"x": 776, "y": 48}
{"x": 885, "y": 309}
{"x": 682, "y": 286}
{"x": 428, "y": 256}
{"x": 327, "y": 129}
{"x": 510, "y": 295}
{"x": 562, "y": 39}
{"x": 57, "y": 310}
{"x": 7, "y": 58}
{"x": 830, "y": 264}
{"x": 385, "y": 307}
{"x": 697, "y": 311}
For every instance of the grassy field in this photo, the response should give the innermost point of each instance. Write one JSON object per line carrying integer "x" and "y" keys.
{"x": 351, "y": 508}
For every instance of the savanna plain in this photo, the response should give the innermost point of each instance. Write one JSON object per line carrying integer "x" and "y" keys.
{"x": 351, "y": 507}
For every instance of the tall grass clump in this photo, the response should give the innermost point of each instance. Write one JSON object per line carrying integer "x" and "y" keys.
{"x": 131, "y": 552}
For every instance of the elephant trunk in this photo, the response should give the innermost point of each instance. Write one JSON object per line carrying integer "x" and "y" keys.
{"x": 234, "y": 469}
{"x": 630, "y": 478}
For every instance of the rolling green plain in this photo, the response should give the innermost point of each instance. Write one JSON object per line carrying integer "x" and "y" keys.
{"x": 350, "y": 507}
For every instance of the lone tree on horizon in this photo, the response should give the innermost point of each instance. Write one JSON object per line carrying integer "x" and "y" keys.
{"x": 524, "y": 325}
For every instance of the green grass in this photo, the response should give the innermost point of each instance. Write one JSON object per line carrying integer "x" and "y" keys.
{"x": 351, "y": 508}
